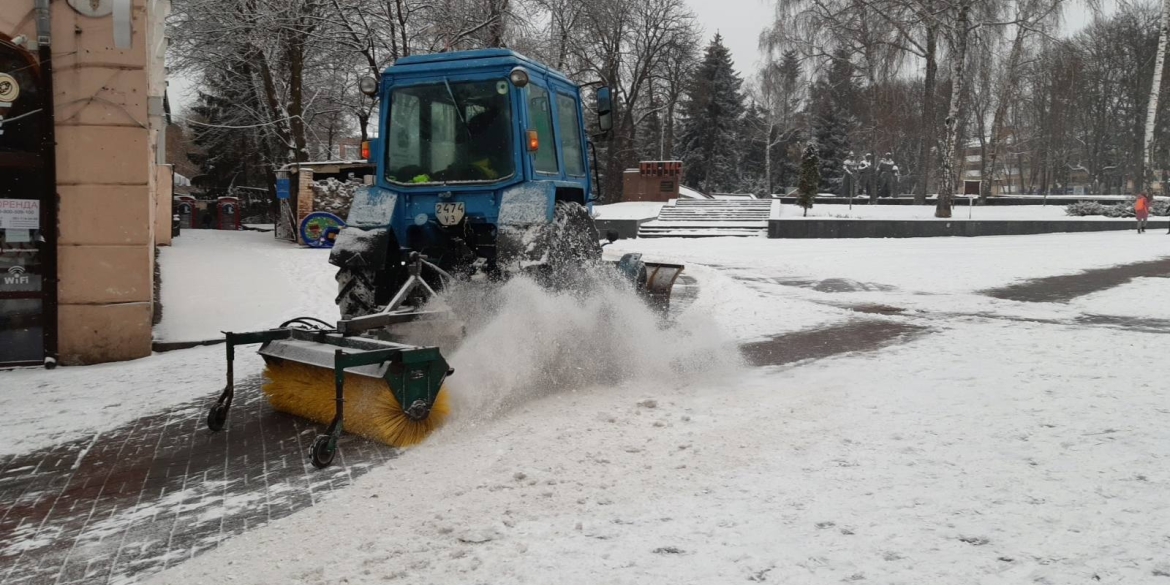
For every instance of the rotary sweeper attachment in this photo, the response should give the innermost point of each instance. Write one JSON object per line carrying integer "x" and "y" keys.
{"x": 393, "y": 390}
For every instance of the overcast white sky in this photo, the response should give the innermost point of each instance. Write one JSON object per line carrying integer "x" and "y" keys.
{"x": 740, "y": 22}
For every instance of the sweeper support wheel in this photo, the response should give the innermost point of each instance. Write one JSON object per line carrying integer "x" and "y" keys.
{"x": 216, "y": 417}
{"x": 322, "y": 452}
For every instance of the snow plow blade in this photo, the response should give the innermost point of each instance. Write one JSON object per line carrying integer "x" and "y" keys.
{"x": 653, "y": 281}
{"x": 660, "y": 279}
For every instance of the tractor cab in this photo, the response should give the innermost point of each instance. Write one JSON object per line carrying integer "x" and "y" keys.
{"x": 474, "y": 149}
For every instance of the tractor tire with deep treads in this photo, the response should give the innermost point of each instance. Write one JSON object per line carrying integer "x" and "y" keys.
{"x": 356, "y": 292}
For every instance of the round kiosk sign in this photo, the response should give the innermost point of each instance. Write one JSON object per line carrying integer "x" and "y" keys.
{"x": 9, "y": 88}
{"x": 319, "y": 229}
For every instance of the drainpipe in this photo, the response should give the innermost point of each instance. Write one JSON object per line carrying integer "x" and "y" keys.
{"x": 49, "y": 196}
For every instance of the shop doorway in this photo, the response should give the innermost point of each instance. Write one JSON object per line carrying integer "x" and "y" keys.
{"x": 27, "y": 245}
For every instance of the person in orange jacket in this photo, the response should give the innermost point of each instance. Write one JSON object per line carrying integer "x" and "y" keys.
{"x": 1141, "y": 208}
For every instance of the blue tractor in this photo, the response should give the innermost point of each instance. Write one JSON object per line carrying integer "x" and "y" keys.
{"x": 482, "y": 165}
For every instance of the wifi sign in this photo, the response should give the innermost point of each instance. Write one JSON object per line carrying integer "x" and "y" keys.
{"x": 16, "y": 276}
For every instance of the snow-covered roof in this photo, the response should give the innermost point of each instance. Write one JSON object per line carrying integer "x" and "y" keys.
{"x": 326, "y": 163}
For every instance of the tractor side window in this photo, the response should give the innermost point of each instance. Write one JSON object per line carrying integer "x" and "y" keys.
{"x": 403, "y": 146}
{"x": 540, "y": 111}
{"x": 443, "y": 120}
{"x": 570, "y": 135}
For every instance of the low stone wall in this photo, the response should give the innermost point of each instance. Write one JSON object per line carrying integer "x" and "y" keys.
{"x": 892, "y": 228}
{"x": 963, "y": 201}
{"x": 627, "y": 229}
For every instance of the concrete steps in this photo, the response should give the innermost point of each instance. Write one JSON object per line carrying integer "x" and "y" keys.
{"x": 697, "y": 218}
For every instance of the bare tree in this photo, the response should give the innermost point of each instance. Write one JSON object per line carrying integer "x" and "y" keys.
{"x": 1031, "y": 18}
{"x": 1155, "y": 91}
{"x": 630, "y": 43}
{"x": 886, "y": 34}
{"x": 778, "y": 92}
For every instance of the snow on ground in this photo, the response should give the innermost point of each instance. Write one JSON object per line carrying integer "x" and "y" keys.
{"x": 991, "y": 450}
{"x": 962, "y": 210}
{"x": 628, "y": 210}
{"x": 72, "y": 403}
{"x": 215, "y": 281}
{"x": 914, "y": 265}
{"x": 1019, "y": 462}
{"x": 748, "y": 311}
{"x": 1140, "y": 298}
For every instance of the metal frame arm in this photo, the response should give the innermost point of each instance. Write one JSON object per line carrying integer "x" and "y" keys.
{"x": 234, "y": 339}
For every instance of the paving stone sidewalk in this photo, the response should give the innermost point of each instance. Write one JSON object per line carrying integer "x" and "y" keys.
{"x": 129, "y": 502}
{"x": 132, "y": 501}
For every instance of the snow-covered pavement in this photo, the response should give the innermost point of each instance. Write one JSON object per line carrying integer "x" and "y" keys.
{"x": 1141, "y": 298}
{"x": 215, "y": 281}
{"x": 919, "y": 464}
{"x": 1005, "y": 442}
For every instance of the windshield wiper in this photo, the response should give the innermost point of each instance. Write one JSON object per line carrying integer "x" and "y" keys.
{"x": 458, "y": 108}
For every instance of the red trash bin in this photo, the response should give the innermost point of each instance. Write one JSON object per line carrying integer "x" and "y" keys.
{"x": 228, "y": 213}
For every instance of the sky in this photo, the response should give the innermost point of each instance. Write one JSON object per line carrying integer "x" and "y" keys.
{"x": 740, "y": 22}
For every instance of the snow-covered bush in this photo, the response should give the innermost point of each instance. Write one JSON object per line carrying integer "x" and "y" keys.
{"x": 1120, "y": 210}
{"x": 1084, "y": 208}
{"x": 1116, "y": 210}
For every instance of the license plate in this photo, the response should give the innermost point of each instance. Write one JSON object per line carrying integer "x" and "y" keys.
{"x": 449, "y": 213}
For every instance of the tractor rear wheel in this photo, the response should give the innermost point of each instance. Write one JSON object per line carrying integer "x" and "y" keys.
{"x": 573, "y": 239}
{"x": 357, "y": 292}
{"x": 573, "y": 248}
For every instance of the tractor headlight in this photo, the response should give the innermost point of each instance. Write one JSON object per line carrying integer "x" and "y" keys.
{"x": 368, "y": 85}
{"x": 518, "y": 77}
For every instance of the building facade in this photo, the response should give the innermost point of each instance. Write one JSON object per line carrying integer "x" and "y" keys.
{"x": 98, "y": 197}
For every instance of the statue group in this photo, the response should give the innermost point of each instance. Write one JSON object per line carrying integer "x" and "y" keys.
{"x": 863, "y": 177}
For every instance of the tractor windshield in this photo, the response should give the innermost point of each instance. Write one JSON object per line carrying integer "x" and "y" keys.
{"x": 450, "y": 132}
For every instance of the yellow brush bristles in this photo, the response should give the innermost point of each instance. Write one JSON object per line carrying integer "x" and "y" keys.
{"x": 371, "y": 410}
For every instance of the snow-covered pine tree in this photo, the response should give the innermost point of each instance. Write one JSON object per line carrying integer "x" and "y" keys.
{"x": 711, "y": 111}
{"x": 810, "y": 177}
{"x": 226, "y": 156}
{"x": 786, "y": 142}
{"x": 752, "y": 151}
{"x": 833, "y": 98}
{"x": 831, "y": 132}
